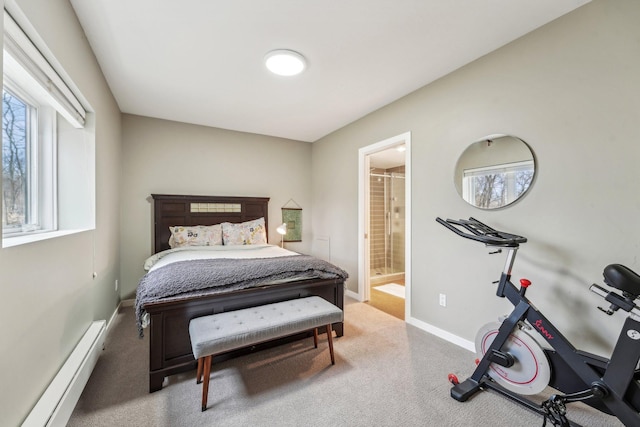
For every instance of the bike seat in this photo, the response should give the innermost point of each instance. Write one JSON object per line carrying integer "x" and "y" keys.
{"x": 623, "y": 278}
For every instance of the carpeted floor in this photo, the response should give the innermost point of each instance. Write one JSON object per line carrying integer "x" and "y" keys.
{"x": 387, "y": 373}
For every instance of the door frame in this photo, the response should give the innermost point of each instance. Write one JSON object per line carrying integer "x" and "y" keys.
{"x": 363, "y": 215}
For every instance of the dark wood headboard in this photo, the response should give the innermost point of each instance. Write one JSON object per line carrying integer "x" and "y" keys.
{"x": 172, "y": 210}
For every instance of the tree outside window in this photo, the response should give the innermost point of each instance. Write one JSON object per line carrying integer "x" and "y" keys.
{"x": 15, "y": 162}
{"x": 496, "y": 186}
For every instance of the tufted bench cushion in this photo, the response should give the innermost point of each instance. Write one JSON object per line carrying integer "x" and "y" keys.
{"x": 221, "y": 332}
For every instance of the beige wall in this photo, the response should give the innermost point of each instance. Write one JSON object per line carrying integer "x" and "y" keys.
{"x": 572, "y": 91}
{"x": 48, "y": 293}
{"x": 165, "y": 157}
{"x": 569, "y": 89}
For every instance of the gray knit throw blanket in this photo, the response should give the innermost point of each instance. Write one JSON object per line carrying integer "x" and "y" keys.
{"x": 184, "y": 279}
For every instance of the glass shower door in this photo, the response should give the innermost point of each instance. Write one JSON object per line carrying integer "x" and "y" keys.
{"x": 387, "y": 222}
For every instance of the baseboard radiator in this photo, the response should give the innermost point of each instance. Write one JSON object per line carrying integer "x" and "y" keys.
{"x": 59, "y": 399}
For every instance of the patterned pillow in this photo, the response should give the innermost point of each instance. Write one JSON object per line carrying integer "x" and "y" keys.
{"x": 246, "y": 233}
{"x": 197, "y": 235}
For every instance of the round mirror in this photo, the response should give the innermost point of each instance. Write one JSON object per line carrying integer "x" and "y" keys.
{"x": 495, "y": 171}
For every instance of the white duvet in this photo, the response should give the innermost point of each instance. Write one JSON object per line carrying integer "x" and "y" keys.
{"x": 212, "y": 252}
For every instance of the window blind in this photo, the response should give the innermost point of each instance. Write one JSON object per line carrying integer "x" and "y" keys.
{"x": 22, "y": 50}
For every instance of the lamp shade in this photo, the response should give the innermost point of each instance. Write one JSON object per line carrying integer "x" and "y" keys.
{"x": 282, "y": 229}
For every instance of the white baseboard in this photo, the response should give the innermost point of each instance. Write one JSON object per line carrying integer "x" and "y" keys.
{"x": 353, "y": 295}
{"x": 59, "y": 399}
{"x": 441, "y": 333}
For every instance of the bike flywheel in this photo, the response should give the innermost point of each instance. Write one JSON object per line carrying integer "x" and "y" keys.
{"x": 529, "y": 374}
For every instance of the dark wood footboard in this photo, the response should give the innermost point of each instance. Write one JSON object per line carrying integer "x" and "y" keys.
{"x": 168, "y": 331}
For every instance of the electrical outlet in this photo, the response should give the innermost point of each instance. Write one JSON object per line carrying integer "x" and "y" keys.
{"x": 443, "y": 300}
{"x": 116, "y": 285}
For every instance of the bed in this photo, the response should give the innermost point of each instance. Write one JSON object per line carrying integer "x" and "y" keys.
{"x": 168, "y": 317}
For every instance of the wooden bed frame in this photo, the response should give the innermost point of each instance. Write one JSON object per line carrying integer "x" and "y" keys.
{"x": 168, "y": 331}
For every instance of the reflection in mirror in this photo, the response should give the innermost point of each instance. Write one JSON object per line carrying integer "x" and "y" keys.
{"x": 495, "y": 171}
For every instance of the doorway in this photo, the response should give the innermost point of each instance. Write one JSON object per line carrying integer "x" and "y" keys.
{"x": 384, "y": 222}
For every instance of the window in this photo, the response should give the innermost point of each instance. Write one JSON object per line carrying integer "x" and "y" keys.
{"x": 16, "y": 162}
{"x": 496, "y": 186}
{"x": 42, "y": 133}
{"x": 28, "y": 147}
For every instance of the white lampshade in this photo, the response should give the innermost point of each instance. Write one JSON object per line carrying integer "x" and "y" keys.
{"x": 282, "y": 229}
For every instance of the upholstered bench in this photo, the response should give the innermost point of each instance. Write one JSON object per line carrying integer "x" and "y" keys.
{"x": 221, "y": 332}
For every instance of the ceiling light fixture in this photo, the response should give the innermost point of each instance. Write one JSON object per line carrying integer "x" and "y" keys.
{"x": 284, "y": 62}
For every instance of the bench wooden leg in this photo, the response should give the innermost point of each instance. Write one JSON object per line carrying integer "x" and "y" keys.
{"x": 199, "y": 371}
{"x": 330, "y": 338}
{"x": 315, "y": 337}
{"x": 205, "y": 384}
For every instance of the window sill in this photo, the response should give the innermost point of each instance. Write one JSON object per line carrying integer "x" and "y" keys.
{"x": 8, "y": 242}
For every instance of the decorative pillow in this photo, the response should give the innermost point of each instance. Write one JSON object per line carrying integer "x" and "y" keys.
{"x": 198, "y": 235}
{"x": 246, "y": 233}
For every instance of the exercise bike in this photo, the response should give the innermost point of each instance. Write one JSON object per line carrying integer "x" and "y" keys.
{"x": 525, "y": 352}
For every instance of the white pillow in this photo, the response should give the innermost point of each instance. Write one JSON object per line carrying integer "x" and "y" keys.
{"x": 197, "y": 235}
{"x": 246, "y": 233}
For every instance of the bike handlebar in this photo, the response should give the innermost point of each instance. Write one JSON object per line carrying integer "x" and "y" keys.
{"x": 478, "y": 231}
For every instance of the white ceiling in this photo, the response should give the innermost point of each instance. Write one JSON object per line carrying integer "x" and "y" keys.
{"x": 201, "y": 61}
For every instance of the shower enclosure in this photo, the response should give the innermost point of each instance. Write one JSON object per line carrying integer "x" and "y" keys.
{"x": 387, "y": 224}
